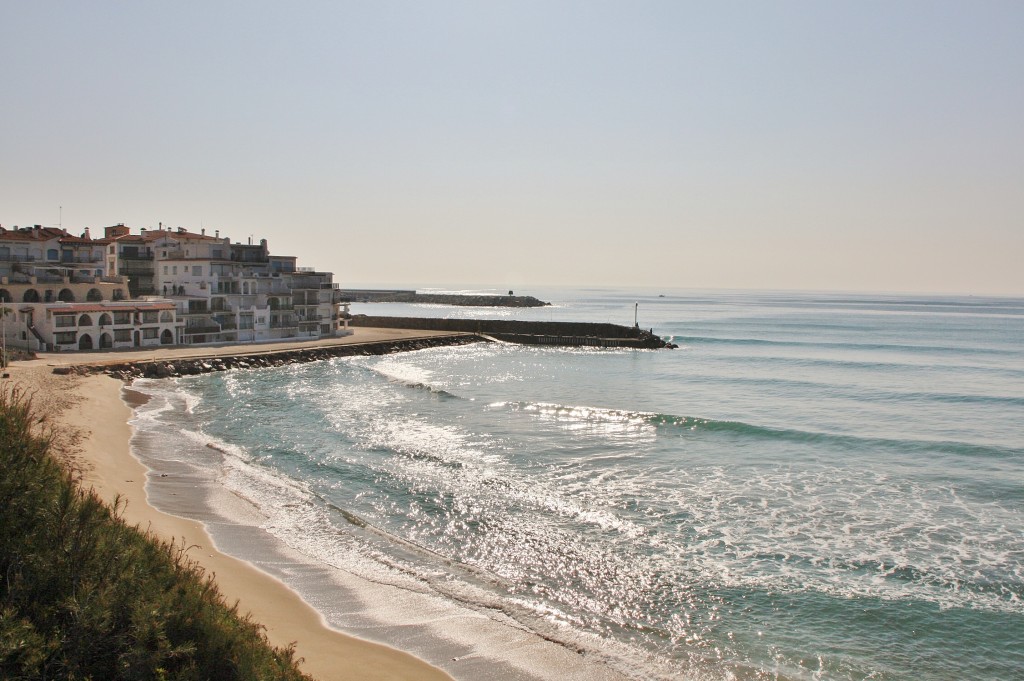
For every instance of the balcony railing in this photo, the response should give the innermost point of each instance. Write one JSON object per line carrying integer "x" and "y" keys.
{"x": 82, "y": 259}
{"x": 134, "y": 266}
{"x": 191, "y": 330}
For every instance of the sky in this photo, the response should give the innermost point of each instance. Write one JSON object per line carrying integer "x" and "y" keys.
{"x": 847, "y": 146}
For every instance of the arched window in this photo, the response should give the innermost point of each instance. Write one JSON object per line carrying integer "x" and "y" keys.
{"x": 104, "y": 319}
{"x": 66, "y": 295}
{"x": 166, "y": 338}
{"x": 31, "y": 296}
{"x": 85, "y": 342}
{"x": 94, "y": 295}
{"x": 106, "y": 341}
{"x": 5, "y": 296}
{"x": 166, "y": 317}
{"x": 85, "y": 320}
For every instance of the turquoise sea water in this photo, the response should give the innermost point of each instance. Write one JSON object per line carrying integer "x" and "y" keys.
{"x": 810, "y": 487}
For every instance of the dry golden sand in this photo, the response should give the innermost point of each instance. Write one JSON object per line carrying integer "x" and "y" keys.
{"x": 91, "y": 420}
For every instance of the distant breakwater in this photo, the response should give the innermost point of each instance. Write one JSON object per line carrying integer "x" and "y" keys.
{"x": 374, "y": 296}
{"x": 575, "y": 334}
{"x": 191, "y": 366}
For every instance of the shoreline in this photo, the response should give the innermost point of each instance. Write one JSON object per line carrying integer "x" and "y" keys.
{"x": 388, "y": 633}
{"x": 92, "y": 415}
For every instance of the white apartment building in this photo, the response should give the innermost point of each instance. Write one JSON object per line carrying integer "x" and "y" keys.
{"x": 231, "y": 292}
{"x": 157, "y": 287}
{"x": 55, "y": 294}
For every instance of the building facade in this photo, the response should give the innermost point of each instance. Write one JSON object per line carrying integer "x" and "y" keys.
{"x": 157, "y": 287}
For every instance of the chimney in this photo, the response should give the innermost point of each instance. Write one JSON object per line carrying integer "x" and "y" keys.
{"x": 160, "y": 226}
{"x": 203, "y": 231}
{"x": 217, "y": 233}
{"x": 86, "y": 235}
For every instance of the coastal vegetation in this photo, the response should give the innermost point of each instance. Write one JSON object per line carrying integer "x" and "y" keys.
{"x": 83, "y": 595}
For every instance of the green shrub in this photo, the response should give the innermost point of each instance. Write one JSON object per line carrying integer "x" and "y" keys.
{"x": 83, "y": 595}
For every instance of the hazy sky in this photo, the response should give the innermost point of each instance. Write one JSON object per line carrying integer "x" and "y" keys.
{"x": 873, "y": 146}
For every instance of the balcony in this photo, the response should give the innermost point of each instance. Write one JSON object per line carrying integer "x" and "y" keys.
{"x": 135, "y": 266}
{"x": 80, "y": 259}
{"x": 200, "y": 329}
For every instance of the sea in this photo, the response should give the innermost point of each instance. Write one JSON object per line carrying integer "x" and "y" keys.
{"x": 811, "y": 486}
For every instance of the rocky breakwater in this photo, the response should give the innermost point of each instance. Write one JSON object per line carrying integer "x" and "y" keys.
{"x": 192, "y": 366}
{"x": 571, "y": 334}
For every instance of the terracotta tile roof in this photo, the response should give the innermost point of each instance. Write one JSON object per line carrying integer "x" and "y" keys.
{"x": 154, "y": 234}
{"x": 32, "y": 234}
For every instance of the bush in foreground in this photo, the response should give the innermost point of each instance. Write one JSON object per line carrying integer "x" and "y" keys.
{"x": 85, "y": 596}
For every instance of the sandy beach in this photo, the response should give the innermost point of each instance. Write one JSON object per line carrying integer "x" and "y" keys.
{"x": 91, "y": 416}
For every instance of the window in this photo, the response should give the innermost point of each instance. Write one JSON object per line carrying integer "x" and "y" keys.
{"x": 122, "y": 317}
{"x": 150, "y": 334}
{"x": 149, "y": 317}
{"x": 174, "y": 269}
{"x": 165, "y": 269}
{"x": 64, "y": 338}
{"x": 63, "y": 321}
{"x": 123, "y": 335}
{"x": 197, "y": 270}
{"x": 51, "y": 254}
{"x": 166, "y": 317}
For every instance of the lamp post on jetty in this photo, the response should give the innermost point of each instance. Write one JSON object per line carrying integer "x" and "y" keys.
{"x": 636, "y": 311}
